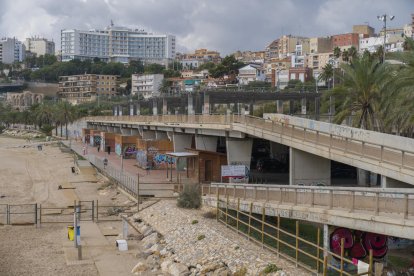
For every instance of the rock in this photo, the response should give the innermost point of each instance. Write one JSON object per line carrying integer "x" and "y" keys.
{"x": 165, "y": 265}
{"x": 178, "y": 269}
{"x": 164, "y": 252}
{"x": 222, "y": 271}
{"x": 150, "y": 240}
{"x": 139, "y": 267}
{"x": 156, "y": 248}
{"x": 153, "y": 261}
{"x": 209, "y": 268}
{"x": 148, "y": 232}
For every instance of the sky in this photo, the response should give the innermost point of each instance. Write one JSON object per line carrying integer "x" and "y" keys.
{"x": 222, "y": 25}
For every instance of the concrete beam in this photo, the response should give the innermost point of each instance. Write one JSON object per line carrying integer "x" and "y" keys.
{"x": 308, "y": 169}
{"x": 208, "y": 143}
{"x": 239, "y": 151}
{"x": 182, "y": 141}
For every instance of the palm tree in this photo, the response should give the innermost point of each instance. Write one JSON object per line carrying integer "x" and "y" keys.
{"x": 44, "y": 114}
{"x": 345, "y": 56}
{"x": 327, "y": 74}
{"x": 352, "y": 53}
{"x": 67, "y": 113}
{"x": 337, "y": 52}
{"x": 364, "y": 86}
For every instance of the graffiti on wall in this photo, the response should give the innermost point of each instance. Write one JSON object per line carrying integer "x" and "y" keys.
{"x": 162, "y": 160}
{"x": 141, "y": 158}
{"x": 358, "y": 243}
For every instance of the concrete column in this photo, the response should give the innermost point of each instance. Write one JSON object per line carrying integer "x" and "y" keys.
{"x": 148, "y": 134}
{"x": 228, "y": 108}
{"x": 303, "y": 106}
{"x": 164, "y": 106}
{"x": 206, "y": 106}
{"x": 291, "y": 106}
{"x": 239, "y": 151}
{"x": 182, "y": 141}
{"x": 325, "y": 239}
{"x": 138, "y": 109}
{"x": 161, "y": 135}
{"x": 279, "y": 106}
{"x": 154, "y": 107}
{"x": 363, "y": 177}
{"x": 308, "y": 169}
{"x": 131, "y": 110}
{"x": 115, "y": 110}
{"x": 204, "y": 142}
{"x": 190, "y": 105}
{"x": 317, "y": 107}
{"x": 242, "y": 109}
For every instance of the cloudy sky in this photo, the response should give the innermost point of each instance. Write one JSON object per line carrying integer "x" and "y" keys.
{"x": 222, "y": 25}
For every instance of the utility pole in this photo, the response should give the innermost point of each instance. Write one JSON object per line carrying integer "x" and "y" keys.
{"x": 383, "y": 18}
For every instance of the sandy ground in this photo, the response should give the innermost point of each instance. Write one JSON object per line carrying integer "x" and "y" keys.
{"x": 31, "y": 176}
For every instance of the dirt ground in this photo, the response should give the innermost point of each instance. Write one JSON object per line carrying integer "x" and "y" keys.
{"x": 31, "y": 176}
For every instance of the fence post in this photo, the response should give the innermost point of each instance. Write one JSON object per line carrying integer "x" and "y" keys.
{"x": 35, "y": 215}
{"x": 8, "y": 214}
{"x": 297, "y": 243}
{"x": 238, "y": 215}
{"x": 40, "y": 214}
{"x": 342, "y": 256}
{"x": 371, "y": 263}
{"x": 405, "y": 206}
{"x": 263, "y": 223}
{"x": 325, "y": 265}
{"x": 97, "y": 211}
{"x": 227, "y": 210}
{"x": 250, "y": 219}
{"x": 218, "y": 199}
{"x": 137, "y": 192}
{"x": 278, "y": 235}
{"x": 93, "y": 210}
{"x": 318, "y": 242}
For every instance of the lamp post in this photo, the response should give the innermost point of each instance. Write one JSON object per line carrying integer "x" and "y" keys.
{"x": 383, "y": 18}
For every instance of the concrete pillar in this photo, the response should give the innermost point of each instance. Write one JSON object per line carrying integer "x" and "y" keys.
{"x": 131, "y": 110}
{"x": 119, "y": 110}
{"x": 242, "y": 109}
{"x": 363, "y": 177}
{"x": 317, "y": 108}
{"x": 154, "y": 107}
{"x": 239, "y": 151}
{"x": 204, "y": 142}
{"x": 206, "y": 106}
{"x": 325, "y": 239}
{"x": 308, "y": 169}
{"x": 164, "y": 106}
{"x": 279, "y": 106}
{"x": 138, "y": 109}
{"x": 115, "y": 110}
{"x": 291, "y": 106}
{"x": 228, "y": 108}
{"x": 303, "y": 106}
{"x": 161, "y": 135}
{"x": 148, "y": 134}
{"x": 182, "y": 141}
{"x": 190, "y": 105}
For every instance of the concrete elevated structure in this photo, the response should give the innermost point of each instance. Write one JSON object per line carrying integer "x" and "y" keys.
{"x": 390, "y": 156}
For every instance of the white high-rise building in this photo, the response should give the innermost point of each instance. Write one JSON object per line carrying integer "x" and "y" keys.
{"x": 117, "y": 44}
{"x": 40, "y": 46}
{"x": 11, "y": 50}
{"x": 147, "y": 86}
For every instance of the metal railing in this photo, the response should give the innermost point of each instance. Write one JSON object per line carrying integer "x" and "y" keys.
{"x": 377, "y": 201}
{"x": 271, "y": 235}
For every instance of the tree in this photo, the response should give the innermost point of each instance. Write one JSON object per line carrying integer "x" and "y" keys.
{"x": 345, "y": 56}
{"x": 327, "y": 74}
{"x": 352, "y": 53}
{"x": 364, "y": 86}
{"x": 337, "y": 52}
{"x": 67, "y": 113}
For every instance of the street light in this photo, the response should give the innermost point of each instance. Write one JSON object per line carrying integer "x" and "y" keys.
{"x": 383, "y": 18}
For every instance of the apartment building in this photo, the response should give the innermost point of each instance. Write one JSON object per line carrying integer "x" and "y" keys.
{"x": 77, "y": 89}
{"x": 201, "y": 55}
{"x": 117, "y": 44}
{"x": 364, "y": 30}
{"x": 272, "y": 50}
{"x": 317, "y": 61}
{"x": 40, "y": 46}
{"x": 393, "y": 43}
{"x": 11, "y": 50}
{"x": 320, "y": 45}
{"x": 250, "y": 56}
{"x": 287, "y": 45}
{"x": 345, "y": 41}
{"x": 147, "y": 86}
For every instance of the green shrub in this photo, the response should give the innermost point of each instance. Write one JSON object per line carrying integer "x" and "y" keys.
{"x": 201, "y": 237}
{"x": 194, "y": 221}
{"x": 190, "y": 197}
{"x": 210, "y": 214}
{"x": 270, "y": 268}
